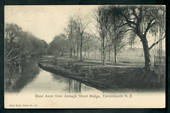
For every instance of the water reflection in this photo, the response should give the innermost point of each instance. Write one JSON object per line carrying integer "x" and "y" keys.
{"x": 34, "y": 79}
{"x": 29, "y": 72}
{"x": 48, "y": 82}
{"x": 73, "y": 86}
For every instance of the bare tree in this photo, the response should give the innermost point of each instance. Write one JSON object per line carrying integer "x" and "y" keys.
{"x": 81, "y": 27}
{"x": 115, "y": 32}
{"x": 70, "y": 33}
{"x": 102, "y": 19}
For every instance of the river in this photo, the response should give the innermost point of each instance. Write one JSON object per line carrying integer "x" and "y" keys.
{"x": 34, "y": 79}
{"x": 48, "y": 82}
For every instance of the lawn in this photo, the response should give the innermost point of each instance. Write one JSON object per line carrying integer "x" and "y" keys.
{"x": 126, "y": 76}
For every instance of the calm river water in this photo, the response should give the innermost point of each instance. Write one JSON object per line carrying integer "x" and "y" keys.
{"x": 48, "y": 82}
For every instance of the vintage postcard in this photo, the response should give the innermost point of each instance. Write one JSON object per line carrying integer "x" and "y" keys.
{"x": 84, "y": 56}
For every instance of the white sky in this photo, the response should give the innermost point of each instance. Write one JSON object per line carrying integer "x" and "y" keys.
{"x": 45, "y": 22}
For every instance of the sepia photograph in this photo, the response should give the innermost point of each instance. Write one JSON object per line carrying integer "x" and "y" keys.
{"x": 84, "y": 56}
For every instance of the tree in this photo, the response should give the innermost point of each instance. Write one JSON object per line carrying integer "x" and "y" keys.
{"x": 81, "y": 27}
{"x": 110, "y": 30}
{"x": 59, "y": 45}
{"x": 70, "y": 34}
{"x": 19, "y": 46}
{"x": 115, "y": 32}
{"x": 75, "y": 33}
{"x": 117, "y": 42}
{"x": 102, "y": 19}
{"x": 89, "y": 44}
{"x": 12, "y": 31}
{"x": 141, "y": 19}
{"x": 12, "y": 51}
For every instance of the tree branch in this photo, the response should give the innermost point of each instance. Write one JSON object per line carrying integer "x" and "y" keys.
{"x": 120, "y": 32}
{"x": 12, "y": 51}
{"x": 150, "y": 24}
{"x": 122, "y": 25}
{"x": 13, "y": 58}
{"x": 155, "y": 43}
{"x": 127, "y": 20}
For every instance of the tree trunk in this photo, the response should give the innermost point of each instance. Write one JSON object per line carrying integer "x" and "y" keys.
{"x": 95, "y": 55}
{"x": 77, "y": 51}
{"x": 20, "y": 68}
{"x": 69, "y": 85}
{"x": 115, "y": 54}
{"x": 88, "y": 54}
{"x": 79, "y": 90}
{"x": 85, "y": 53}
{"x": 74, "y": 51}
{"x": 81, "y": 45}
{"x": 71, "y": 52}
{"x": 103, "y": 53}
{"x": 109, "y": 53}
{"x": 104, "y": 57}
{"x": 146, "y": 53}
{"x": 62, "y": 53}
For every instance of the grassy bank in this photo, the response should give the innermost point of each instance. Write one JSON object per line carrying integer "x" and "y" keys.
{"x": 109, "y": 77}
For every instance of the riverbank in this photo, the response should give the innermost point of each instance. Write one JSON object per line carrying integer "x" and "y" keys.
{"x": 108, "y": 78}
{"x": 17, "y": 81}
